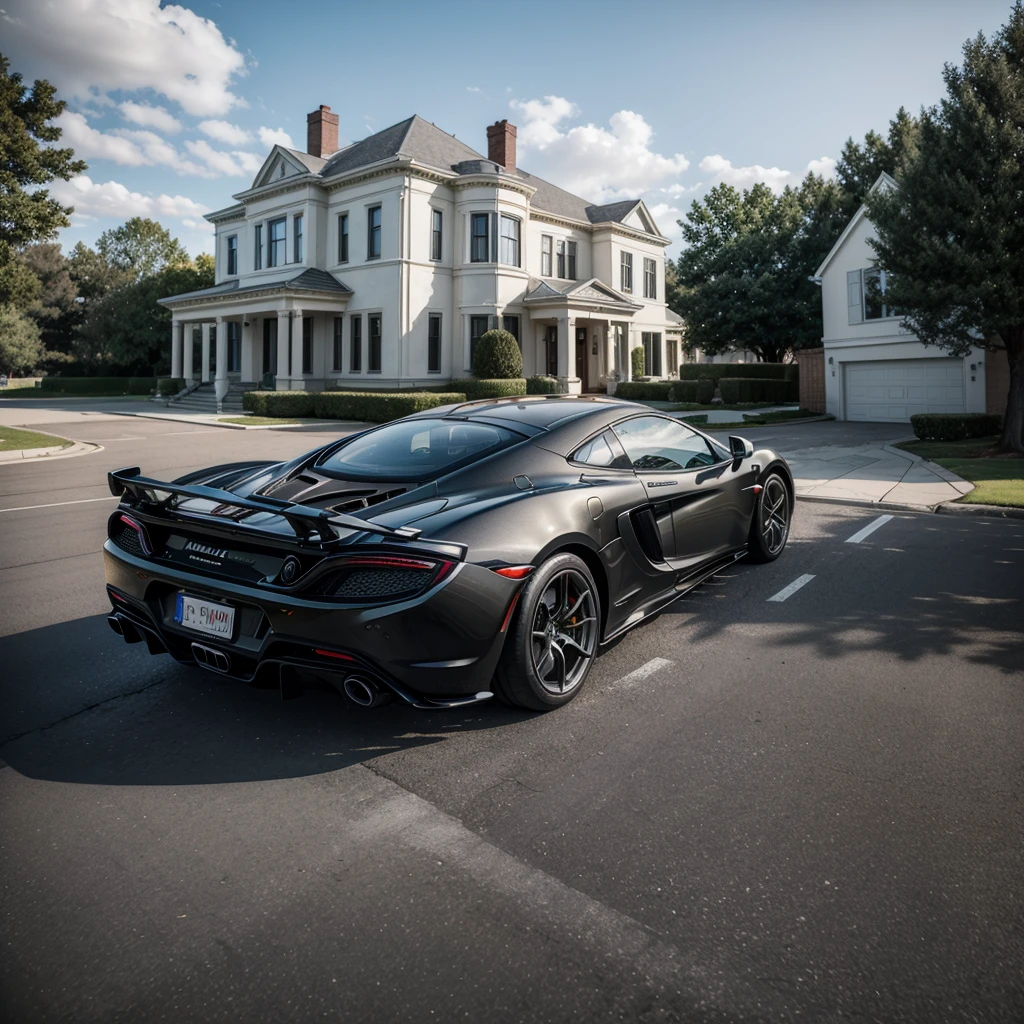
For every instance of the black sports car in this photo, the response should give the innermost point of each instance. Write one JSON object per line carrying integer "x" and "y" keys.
{"x": 471, "y": 550}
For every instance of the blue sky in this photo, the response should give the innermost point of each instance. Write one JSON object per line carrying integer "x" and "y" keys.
{"x": 175, "y": 106}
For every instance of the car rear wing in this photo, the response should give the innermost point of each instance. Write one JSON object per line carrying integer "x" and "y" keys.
{"x": 314, "y": 525}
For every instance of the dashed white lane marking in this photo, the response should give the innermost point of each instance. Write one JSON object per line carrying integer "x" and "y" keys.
{"x": 397, "y": 816}
{"x": 645, "y": 670}
{"x": 800, "y": 581}
{"x": 868, "y": 530}
{"x": 58, "y": 504}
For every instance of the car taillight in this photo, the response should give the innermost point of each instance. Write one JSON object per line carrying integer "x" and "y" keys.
{"x": 514, "y": 572}
{"x": 130, "y": 535}
{"x": 381, "y": 577}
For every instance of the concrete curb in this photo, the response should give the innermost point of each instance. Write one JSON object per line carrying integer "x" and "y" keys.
{"x": 884, "y": 506}
{"x": 933, "y": 467}
{"x": 998, "y": 511}
{"x": 68, "y": 451}
{"x": 197, "y": 421}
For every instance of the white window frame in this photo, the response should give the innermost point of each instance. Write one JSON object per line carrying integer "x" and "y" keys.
{"x": 547, "y": 248}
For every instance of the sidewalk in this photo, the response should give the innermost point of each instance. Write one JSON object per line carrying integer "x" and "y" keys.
{"x": 62, "y": 451}
{"x": 876, "y": 474}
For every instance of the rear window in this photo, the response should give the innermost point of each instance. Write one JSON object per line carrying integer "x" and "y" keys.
{"x": 417, "y": 449}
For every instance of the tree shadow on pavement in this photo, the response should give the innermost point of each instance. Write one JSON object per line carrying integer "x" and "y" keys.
{"x": 80, "y": 706}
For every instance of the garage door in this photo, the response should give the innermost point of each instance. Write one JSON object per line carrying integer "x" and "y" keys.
{"x": 893, "y": 390}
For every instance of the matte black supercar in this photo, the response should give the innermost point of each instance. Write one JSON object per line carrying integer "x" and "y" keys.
{"x": 477, "y": 549}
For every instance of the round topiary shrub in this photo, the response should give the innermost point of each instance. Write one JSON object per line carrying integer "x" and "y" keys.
{"x": 497, "y": 357}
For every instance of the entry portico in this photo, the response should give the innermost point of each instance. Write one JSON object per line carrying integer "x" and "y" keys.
{"x": 276, "y": 330}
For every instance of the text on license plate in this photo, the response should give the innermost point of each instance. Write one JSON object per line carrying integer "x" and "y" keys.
{"x": 204, "y": 616}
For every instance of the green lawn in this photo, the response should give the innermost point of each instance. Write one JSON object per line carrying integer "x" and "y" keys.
{"x": 997, "y": 481}
{"x": 14, "y": 439}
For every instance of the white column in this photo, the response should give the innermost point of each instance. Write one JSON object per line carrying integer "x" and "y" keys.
{"x": 284, "y": 319}
{"x": 248, "y": 355}
{"x": 186, "y": 363}
{"x": 297, "y": 346}
{"x": 175, "y": 348}
{"x": 566, "y": 355}
{"x": 205, "y": 360}
{"x": 222, "y": 349}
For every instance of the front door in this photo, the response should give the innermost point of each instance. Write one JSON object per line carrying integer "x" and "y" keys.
{"x": 581, "y": 358}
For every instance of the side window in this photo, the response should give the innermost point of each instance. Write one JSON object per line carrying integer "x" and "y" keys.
{"x": 602, "y": 451}
{"x": 654, "y": 442}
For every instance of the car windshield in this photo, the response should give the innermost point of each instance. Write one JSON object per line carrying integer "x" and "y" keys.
{"x": 417, "y": 449}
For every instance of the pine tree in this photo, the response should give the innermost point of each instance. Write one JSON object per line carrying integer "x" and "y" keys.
{"x": 951, "y": 237}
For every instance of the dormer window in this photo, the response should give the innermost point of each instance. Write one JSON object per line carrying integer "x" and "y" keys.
{"x": 277, "y": 254}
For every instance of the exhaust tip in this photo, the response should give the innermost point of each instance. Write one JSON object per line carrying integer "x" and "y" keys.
{"x": 363, "y": 691}
{"x": 115, "y": 624}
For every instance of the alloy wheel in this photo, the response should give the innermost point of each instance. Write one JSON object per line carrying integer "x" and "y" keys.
{"x": 564, "y": 635}
{"x": 774, "y": 515}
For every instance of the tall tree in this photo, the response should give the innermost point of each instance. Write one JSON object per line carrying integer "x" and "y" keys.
{"x": 141, "y": 247}
{"x": 21, "y": 351}
{"x": 28, "y": 160}
{"x": 743, "y": 276}
{"x": 56, "y": 309}
{"x": 860, "y": 163}
{"x": 951, "y": 237}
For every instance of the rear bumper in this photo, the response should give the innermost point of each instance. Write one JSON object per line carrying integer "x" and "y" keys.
{"x": 439, "y": 649}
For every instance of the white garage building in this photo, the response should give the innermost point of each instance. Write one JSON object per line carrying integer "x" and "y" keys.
{"x": 874, "y": 370}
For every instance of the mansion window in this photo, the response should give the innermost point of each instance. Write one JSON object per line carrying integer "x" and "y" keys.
{"x": 650, "y": 279}
{"x": 276, "y": 253}
{"x": 257, "y": 253}
{"x": 307, "y": 344}
{"x": 865, "y": 291}
{"x": 478, "y": 327}
{"x": 436, "y": 221}
{"x": 343, "y": 238}
{"x": 560, "y": 249}
{"x": 479, "y": 245}
{"x": 511, "y": 324}
{"x": 510, "y": 240}
{"x": 626, "y": 272}
{"x": 570, "y": 257}
{"x": 355, "y": 352}
{"x": 434, "y": 343}
{"x": 234, "y": 346}
{"x": 545, "y": 255}
{"x": 232, "y": 254}
{"x": 297, "y": 238}
{"x": 336, "y": 353}
{"x": 374, "y": 341}
{"x": 652, "y": 353}
{"x": 373, "y": 233}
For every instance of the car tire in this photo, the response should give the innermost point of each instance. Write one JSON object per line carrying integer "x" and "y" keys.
{"x": 769, "y": 527}
{"x": 553, "y": 637}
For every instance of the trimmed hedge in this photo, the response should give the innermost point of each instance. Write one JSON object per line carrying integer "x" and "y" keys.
{"x": 542, "y": 386}
{"x": 497, "y": 356}
{"x": 716, "y": 371}
{"x": 371, "y": 407}
{"x": 98, "y": 385}
{"x": 756, "y": 389}
{"x": 644, "y": 390}
{"x": 697, "y": 417}
{"x": 931, "y": 426}
{"x": 637, "y": 361}
{"x": 170, "y": 385}
{"x": 502, "y": 388}
{"x": 699, "y": 391}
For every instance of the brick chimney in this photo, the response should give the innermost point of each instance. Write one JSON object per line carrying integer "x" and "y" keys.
{"x": 322, "y": 132}
{"x": 501, "y": 145}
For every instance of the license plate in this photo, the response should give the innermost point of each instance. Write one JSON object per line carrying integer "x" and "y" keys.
{"x": 204, "y": 616}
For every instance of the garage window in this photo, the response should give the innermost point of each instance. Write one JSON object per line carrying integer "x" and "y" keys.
{"x": 866, "y": 295}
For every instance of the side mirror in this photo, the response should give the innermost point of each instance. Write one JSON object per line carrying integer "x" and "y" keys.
{"x": 740, "y": 447}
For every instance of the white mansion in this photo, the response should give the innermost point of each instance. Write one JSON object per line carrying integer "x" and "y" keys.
{"x": 383, "y": 262}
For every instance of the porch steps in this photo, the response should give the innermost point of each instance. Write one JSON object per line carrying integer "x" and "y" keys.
{"x": 204, "y": 398}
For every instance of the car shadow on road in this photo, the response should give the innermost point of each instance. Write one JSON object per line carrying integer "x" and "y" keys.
{"x": 81, "y": 707}
{"x": 945, "y": 605}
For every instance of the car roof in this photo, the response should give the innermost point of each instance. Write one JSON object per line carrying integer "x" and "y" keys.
{"x": 542, "y": 412}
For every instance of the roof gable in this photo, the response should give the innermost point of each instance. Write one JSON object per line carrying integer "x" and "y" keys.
{"x": 885, "y": 181}
{"x": 285, "y": 163}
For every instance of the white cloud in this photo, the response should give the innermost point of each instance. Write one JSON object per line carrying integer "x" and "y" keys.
{"x": 89, "y": 48}
{"x": 219, "y": 162}
{"x": 723, "y": 171}
{"x": 276, "y": 137}
{"x": 112, "y": 199}
{"x": 223, "y": 131}
{"x": 601, "y": 164}
{"x": 666, "y": 217}
{"x": 150, "y": 117}
{"x": 473, "y": 88}
{"x": 92, "y": 144}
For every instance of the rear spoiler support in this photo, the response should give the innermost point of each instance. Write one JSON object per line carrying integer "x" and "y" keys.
{"x": 309, "y": 524}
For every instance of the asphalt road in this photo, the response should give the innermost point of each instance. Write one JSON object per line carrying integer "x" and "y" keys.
{"x": 797, "y": 810}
